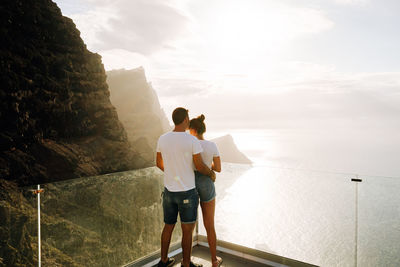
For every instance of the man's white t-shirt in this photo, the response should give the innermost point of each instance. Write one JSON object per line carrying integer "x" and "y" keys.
{"x": 177, "y": 150}
{"x": 210, "y": 150}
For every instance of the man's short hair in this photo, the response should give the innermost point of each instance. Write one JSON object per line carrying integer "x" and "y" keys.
{"x": 179, "y": 115}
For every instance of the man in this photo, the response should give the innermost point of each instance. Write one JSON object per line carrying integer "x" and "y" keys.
{"x": 177, "y": 152}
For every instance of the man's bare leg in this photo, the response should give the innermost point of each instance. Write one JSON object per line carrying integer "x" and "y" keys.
{"x": 187, "y": 238}
{"x": 166, "y": 240}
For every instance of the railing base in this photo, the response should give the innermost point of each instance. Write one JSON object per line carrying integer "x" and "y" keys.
{"x": 252, "y": 255}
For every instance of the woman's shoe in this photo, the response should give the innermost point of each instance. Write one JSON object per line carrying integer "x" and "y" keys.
{"x": 217, "y": 263}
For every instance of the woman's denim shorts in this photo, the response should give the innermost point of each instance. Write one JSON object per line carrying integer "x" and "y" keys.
{"x": 205, "y": 187}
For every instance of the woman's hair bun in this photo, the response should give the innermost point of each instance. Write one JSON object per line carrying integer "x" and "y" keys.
{"x": 198, "y": 124}
{"x": 201, "y": 117}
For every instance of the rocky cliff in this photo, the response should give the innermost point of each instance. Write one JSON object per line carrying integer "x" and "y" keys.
{"x": 138, "y": 109}
{"x": 56, "y": 118}
{"x": 229, "y": 151}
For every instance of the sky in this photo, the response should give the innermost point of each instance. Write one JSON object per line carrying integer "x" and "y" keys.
{"x": 257, "y": 64}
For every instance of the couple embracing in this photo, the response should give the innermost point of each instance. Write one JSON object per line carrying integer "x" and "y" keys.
{"x": 188, "y": 162}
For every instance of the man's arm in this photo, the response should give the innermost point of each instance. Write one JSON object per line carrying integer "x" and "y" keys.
{"x": 159, "y": 161}
{"x": 201, "y": 167}
{"x": 216, "y": 165}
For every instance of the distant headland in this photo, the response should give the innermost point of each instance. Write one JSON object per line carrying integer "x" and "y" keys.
{"x": 229, "y": 151}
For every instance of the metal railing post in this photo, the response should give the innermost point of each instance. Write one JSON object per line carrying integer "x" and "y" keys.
{"x": 39, "y": 250}
{"x": 37, "y": 192}
{"x": 356, "y": 180}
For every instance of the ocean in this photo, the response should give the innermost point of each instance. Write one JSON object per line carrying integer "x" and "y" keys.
{"x": 309, "y": 215}
{"x": 304, "y": 206}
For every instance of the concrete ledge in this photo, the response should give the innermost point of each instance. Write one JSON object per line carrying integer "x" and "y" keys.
{"x": 253, "y": 254}
{"x": 250, "y": 254}
{"x": 153, "y": 258}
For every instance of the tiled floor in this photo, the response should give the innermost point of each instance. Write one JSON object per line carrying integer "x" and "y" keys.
{"x": 201, "y": 255}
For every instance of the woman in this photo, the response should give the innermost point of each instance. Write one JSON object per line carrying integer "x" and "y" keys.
{"x": 205, "y": 186}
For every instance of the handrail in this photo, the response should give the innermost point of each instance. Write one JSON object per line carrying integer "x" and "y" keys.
{"x": 326, "y": 171}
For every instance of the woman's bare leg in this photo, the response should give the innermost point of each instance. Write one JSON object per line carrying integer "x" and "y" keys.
{"x": 208, "y": 210}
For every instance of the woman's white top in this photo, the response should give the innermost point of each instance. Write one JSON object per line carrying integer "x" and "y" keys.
{"x": 210, "y": 150}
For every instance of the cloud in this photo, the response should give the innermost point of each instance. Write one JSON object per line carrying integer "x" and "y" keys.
{"x": 238, "y": 84}
{"x": 90, "y": 23}
{"x": 351, "y": 2}
{"x": 123, "y": 59}
{"x": 305, "y": 21}
{"x": 138, "y": 26}
{"x": 246, "y": 30}
{"x": 171, "y": 88}
{"x": 361, "y": 101}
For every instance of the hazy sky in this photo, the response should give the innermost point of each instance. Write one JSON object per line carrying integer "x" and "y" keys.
{"x": 256, "y": 64}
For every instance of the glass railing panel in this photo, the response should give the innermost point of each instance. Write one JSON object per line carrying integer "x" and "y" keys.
{"x": 107, "y": 220}
{"x": 18, "y": 225}
{"x": 303, "y": 215}
{"x": 379, "y": 221}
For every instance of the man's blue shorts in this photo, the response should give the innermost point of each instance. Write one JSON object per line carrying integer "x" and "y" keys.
{"x": 185, "y": 203}
{"x": 205, "y": 187}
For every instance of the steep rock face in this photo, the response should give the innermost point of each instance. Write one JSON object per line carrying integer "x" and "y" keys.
{"x": 56, "y": 118}
{"x": 138, "y": 109}
{"x": 229, "y": 151}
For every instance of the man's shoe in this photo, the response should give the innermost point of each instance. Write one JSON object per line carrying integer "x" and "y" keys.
{"x": 169, "y": 263}
{"x": 192, "y": 264}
